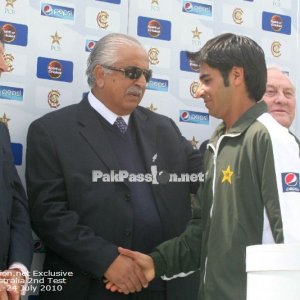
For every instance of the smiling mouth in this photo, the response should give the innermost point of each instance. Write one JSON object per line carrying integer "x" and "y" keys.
{"x": 206, "y": 98}
{"x": 279, "y": 111}
{"x": 206, "y": 101}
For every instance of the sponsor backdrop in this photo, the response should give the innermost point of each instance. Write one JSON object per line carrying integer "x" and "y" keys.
{"x": 48, "y": 43}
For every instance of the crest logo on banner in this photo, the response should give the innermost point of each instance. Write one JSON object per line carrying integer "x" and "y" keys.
{"x": 9, "y": 59}
{"x": 237, "y": 16}
{"x": 194, "y": 88}
{"x": 53, "y": 98}
{"x": 275, "y": 49}
{"x": 102, "y": 19}
{"x": 153, "y": 56}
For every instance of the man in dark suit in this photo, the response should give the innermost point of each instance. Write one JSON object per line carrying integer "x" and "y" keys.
{"x": 15, "y": 231}
{"x": 96, "y": 182}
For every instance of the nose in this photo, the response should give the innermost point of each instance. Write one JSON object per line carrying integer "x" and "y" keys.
{"x": 3, "y": 65}
{"x": 200, "y": 91}
{"x": 281, "y": 98}
{"x": 141, "y": 81}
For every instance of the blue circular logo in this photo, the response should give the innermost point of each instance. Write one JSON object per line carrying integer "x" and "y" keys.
{"x": 47, "y": 9}
{"x": 291, "y": 179}
{"x": 188, "y": 6}
{"x": 185, "y": 115}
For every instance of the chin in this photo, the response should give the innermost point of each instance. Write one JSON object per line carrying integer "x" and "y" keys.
{"x": 283, "y": 122}
{"x": 129, "y": 109}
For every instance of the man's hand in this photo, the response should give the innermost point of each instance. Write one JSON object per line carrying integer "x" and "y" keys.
{"x": 11, "y": 282}
{"x": 144, "y": 261}
{"x": 125, "y": 276}
{"x": 3, "y": 286}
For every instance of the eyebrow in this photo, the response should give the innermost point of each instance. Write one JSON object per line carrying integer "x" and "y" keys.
{"x": 271, "y": 86}
{"x": 276, "y": 87}
{"x": 203, "y": 76}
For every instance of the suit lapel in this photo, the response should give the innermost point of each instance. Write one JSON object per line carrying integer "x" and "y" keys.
{"x": 92, "y": 131}
{"x": 146, "y": 132}
{"x": 94, "y": 134}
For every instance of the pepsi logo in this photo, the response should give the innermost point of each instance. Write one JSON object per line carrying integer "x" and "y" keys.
{"x": 188, "y": 6}
{"x": 185, "y": 115}
{"x": 291, "y": 179}
{"x": 90, "y": 45}
{"x": 47, "y": 9}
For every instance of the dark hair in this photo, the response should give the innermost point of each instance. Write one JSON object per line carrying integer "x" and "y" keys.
{"x": 229, "y": 50}
{"x": 1, "y": 35}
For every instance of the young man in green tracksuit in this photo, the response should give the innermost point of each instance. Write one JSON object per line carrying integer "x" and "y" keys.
{"x": 251, "y": 189}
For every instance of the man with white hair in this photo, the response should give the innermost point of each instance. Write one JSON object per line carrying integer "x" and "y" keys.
{"x": 82, "y": 218}
{"x": 280, "y": 96}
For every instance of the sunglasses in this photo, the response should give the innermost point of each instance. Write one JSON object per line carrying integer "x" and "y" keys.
{"x": 132, "y": 72}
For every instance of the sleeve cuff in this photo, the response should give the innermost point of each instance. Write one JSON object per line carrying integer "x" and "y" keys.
{"x": 158, "y": 264}
{"x": 24, "y": 272}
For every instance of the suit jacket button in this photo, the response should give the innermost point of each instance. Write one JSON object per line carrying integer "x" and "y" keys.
{"x": 127, "y": 197}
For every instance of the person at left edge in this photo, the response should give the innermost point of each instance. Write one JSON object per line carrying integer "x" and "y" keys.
{"x": 83, "y": 222}
{"x": 15, "y": 233}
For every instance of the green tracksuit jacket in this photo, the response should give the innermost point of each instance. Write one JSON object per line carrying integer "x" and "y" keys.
{"x": 251, "y": 195}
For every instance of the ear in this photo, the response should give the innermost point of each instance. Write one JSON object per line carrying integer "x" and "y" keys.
{"x": 237, "y": 75}
{"x": 99, "y": 76}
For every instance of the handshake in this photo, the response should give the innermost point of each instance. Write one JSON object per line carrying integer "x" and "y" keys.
{"x": 11, "y": 282}
{"x": 130, "y": 272}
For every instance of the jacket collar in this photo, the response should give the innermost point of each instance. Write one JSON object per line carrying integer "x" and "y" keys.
{"x": 95, "y": 134}
{"x": 244, "y": 121}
